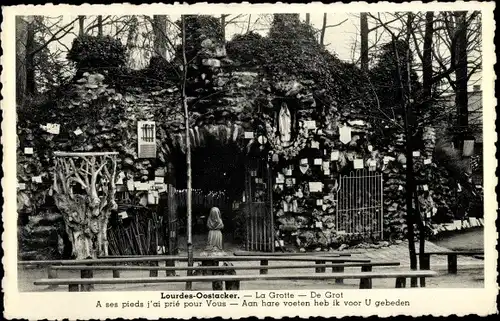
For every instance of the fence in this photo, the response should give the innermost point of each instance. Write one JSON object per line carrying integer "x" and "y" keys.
{"x": 359, "y": 201}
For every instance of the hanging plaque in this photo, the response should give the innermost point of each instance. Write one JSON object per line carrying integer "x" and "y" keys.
{"x": 416, "y": 153}
{"x": 468, "y": 148}
{"x": 248, "y": 135}
{"x": 358, "y": 163}
{"x": 315, "y": 187}
{"x": 319, "y": 224}
{"x": 21, "y": 186}
{"x": 303, "y": 168}
{"x": 310, "y": 124}
{"x": 319, "y": 202}
{"x": 345, "y": 134}
{"x": 303, "y": 161}
{"x": 318, "y": 161}
{"x": 78, "y": 132}
{"x": 52, "y": 128}
{"x": 427, "y": 161}
{"x": 315, "y": 144}
{"x": 36, "y": 179}
{"x": 28, "y": 150}
{"x": 334, "y": 155}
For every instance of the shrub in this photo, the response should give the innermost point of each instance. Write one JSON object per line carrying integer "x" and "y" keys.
{"x": 97, "y": 54}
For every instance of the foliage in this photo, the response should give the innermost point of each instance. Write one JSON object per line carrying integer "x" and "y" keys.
{"x": 50, "y": 70}
{"x": 247, "y": 50}
{"x": 97, "y": 53}
{"x": 199, "y": 28}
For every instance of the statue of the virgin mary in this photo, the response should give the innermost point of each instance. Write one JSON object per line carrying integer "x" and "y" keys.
{"x": 285, "y": 124}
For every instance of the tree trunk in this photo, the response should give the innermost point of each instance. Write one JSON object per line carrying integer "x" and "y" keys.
{"x": 323, "y": 30}
{"x": 88, "y": 237}
{"x": 30, "y": 60}
{"x": 461, "y": 97}
{"x": 99, "y": 26}
{"x": 223, "y": 26}
{"x": 308, "y": 18}
{"x": 86, "y": 215}
{"x": 21, "y": 52}
{"x": 81, "y": 25}
{"x": 427, "y": 55}
{"x": 364, "y": 41}
{"x": 188, "y": 151}
{"x": 410, "y": 178}
{"x": 159, "y": 31}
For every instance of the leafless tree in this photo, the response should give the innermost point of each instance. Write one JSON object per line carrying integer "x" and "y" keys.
{"x": 326, "y": 26}
{"x": 33, "y": 36}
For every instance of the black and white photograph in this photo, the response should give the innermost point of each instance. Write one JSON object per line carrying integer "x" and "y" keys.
{"x": 243, "y": 154}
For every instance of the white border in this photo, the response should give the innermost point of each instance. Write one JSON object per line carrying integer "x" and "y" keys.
{"x": 81, "y": 305}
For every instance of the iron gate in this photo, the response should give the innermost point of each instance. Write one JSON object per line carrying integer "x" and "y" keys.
{"x": 360, "y": 204}
{"x": 258, "y": 207}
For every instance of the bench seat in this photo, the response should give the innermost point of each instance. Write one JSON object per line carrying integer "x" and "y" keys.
{"x": 400, "y": 277}
{"x": 425, "y": 260}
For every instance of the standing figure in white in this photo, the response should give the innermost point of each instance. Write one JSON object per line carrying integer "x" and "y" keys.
{"x": 285, "y": 124}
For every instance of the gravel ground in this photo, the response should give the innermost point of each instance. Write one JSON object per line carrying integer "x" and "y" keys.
{"x": 463, "y": 240}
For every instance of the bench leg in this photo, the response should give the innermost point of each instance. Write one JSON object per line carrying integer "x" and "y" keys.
{"x": 52, "y": 274}
{"x": 169, "y": 263}
{"x": 400, "y": 283}
{"x": 414, "y": 282}
{"x": 116, "y": 274}
{"x": 425, "y": 264}
{"x": 452, "y": 263}
{"x": 320, "y": 269}
{"x": 232, "y": 285}
{"x": 264, "y": 263}
{"x": 338, "y": 269}
{"x": 86, "y": 274}
{"x": 153, "y": 273}
{"x": 365, "y": 283}
{"x": 425, "y": 261}
{"x": 73, "y": 288}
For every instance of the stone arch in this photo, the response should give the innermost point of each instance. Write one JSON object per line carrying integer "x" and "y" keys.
{"x": 199, "y": 135}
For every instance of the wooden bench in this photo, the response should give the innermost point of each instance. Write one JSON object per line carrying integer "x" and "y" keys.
{"x": 333, "y": 254}
{"x": 171, "y": 259}
{"x": 425, "y": 263}
{"x": 87, "y": 271}
{"x": 365, "y": 279}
